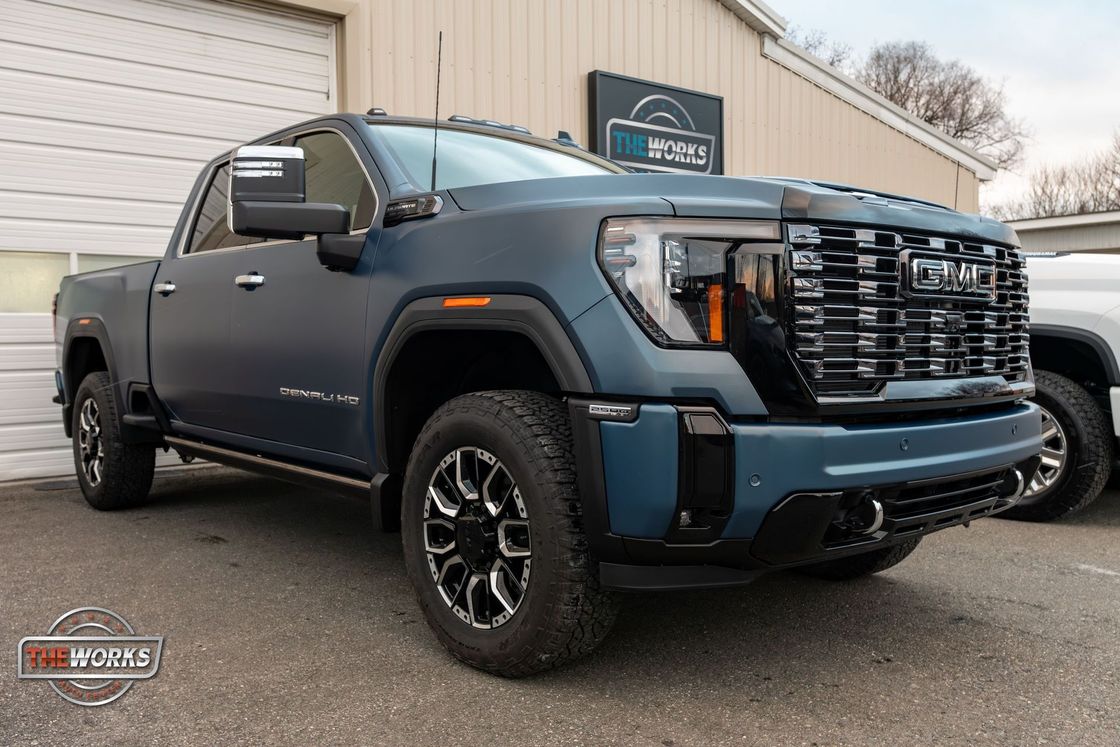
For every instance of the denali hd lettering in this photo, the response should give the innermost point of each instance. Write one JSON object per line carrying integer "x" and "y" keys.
{"x": 573, "y": 381}
{"x": 342, "y": 399}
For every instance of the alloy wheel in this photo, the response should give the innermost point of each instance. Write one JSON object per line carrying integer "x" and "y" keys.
{"x": 1054, "y": 454}
{"x": 90, "y": 443}
{"x": 476, "y": 537}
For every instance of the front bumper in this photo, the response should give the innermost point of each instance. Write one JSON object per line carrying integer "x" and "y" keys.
{"x": 786, "y": 484}
{"x": 1114, "y": 396}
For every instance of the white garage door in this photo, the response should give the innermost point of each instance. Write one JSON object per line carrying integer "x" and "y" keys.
{"x": 108, "y": 109}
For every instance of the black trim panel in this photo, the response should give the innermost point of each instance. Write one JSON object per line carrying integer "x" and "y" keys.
{"x": 92, "y": 328}
{"x": 588, "y": 447}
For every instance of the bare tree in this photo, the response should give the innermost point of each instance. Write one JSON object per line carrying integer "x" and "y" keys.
{"x": 1089, "y": 185}
{"x": 817, "y": 43}
{"x": 946, "y": 94}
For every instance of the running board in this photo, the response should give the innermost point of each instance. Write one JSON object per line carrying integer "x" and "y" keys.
{"x": 306, "y": 476}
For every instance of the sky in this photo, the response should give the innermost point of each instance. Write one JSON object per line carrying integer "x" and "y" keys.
{"x": 1059, "y": 62}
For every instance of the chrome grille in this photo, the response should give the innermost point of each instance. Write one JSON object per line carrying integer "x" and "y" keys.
{"x": 852, "y": 328}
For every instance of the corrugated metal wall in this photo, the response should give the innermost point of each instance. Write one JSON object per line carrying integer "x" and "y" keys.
{"x": 526, "y": 62}
{"x": 111, "y": 108}
{"x": 1103, "y": 237}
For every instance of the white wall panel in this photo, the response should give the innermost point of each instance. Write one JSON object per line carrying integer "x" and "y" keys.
{"x": 110, "y": 109}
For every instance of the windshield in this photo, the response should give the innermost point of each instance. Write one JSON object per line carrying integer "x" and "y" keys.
{"x": 470, "y": 158}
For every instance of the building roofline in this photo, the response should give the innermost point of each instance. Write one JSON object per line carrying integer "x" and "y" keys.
{"x": 1065, "y": 221}
{"x": 826, "y": 76}
{"x": 758, "y": 15}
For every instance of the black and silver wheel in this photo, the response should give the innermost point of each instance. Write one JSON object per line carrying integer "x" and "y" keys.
{"x": 1076, "y": 451}
{"x": 477, "y": 539}
{"x": 1054, "y": 462}
{"x": 493, "y": 535}
{"x": 111, "y": 473}
{"x": 91, "y": 457}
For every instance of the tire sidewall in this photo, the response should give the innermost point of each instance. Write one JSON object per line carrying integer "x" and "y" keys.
{"x": 458, "y": 430}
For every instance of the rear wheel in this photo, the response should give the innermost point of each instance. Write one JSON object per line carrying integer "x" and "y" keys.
{"x": 493, "y": 535}
{"x": 865, "y": 564}
{"x": 1076, "y": 452}
{"x": 111, "y": 473}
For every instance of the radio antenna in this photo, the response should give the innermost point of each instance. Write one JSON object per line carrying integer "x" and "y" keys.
{"x": 435, "y": 128}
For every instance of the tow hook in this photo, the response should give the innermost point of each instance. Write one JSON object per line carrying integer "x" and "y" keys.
{"x": 865, "y": 518}
{"x": 1013, "y": 487}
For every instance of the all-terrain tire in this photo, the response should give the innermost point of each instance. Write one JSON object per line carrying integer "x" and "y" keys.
{"x": 125, "y": 474}
{"x": 865, "y": 564}
{"x": 1088, "y": 458}
{"x": 563, "y": 613}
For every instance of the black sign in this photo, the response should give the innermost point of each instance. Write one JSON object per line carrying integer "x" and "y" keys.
{"x": 651, "y": 127}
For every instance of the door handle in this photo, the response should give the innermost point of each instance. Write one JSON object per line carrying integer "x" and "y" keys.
{"x": 164, "y": 289}
{"x": 250, "y": 281}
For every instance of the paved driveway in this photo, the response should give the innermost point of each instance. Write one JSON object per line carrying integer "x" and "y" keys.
{"x": 288, "y": 621}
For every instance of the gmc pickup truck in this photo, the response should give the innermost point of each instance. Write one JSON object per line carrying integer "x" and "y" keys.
{"x": 560, "y": 379}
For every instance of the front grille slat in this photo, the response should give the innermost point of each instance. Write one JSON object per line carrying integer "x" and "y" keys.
{"x": 852, "y": 328}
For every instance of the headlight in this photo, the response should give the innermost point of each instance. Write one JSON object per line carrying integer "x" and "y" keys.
{"x": 671, "y": 273}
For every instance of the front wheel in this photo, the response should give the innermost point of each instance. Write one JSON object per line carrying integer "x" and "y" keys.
{"x": 111, "y": 473}
{"x": 493, "y": 535}
{"x": 1076, "y": 451}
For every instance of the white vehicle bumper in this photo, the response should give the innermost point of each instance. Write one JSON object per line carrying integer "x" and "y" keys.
{"x": 1115, "y": 395}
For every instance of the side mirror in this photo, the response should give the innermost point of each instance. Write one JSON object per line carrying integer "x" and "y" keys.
{"x": 267, "y": 193}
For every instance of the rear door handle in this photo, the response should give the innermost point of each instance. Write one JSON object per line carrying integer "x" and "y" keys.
{"x": 252, "y": 280}
{"x": 164, "y": 289}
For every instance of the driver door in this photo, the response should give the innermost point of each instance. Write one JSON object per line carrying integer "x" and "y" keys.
{"x": 297, "y": 352}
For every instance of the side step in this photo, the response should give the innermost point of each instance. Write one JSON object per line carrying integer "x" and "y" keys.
{"x": 307, "y": 476}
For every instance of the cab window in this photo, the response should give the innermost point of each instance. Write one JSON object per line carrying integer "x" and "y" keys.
{"x": 333, "y": 175}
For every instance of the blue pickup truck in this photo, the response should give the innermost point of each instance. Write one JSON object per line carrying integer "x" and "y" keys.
{"x": 558, "y": 378}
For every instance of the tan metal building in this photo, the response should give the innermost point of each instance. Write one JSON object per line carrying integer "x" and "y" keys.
{"x": 526, "y": 61}
{"x": 110, "y": 108}
{"x": 1092, "y": 232}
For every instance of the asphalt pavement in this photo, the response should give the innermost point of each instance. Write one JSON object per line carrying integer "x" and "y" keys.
{"x": 288, "y": 620}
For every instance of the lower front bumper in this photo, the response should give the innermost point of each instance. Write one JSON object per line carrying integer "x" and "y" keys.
{"x": 788, "y": 487}
{"x": 1114, "y": 398}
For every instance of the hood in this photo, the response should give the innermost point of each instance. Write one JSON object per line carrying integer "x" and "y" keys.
{"x": 820, "y": 201}
{"x": 686, "y": 194}
{"x": 763, "y": 198}
{"x": 1080, "y": 271}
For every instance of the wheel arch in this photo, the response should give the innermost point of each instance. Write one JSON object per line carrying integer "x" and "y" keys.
{"x": 524, "y": 322}
{"x": 86, "y": 349}
{"x": 1077, "y": 354}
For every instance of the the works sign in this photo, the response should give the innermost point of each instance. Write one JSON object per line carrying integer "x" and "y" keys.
{"x": 651, "y": 127}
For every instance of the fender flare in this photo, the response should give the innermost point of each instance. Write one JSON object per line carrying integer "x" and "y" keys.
{"x": 1092, "y": 339}
{"x": 85, "y": 327}
{"x": 521, "y": 314}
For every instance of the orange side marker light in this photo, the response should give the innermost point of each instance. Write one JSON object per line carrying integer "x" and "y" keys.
{"x": 715, "y": 313}
{"x": 459, "y": 302}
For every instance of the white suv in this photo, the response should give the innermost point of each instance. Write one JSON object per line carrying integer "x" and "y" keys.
{"x": 1075, "y": 349}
